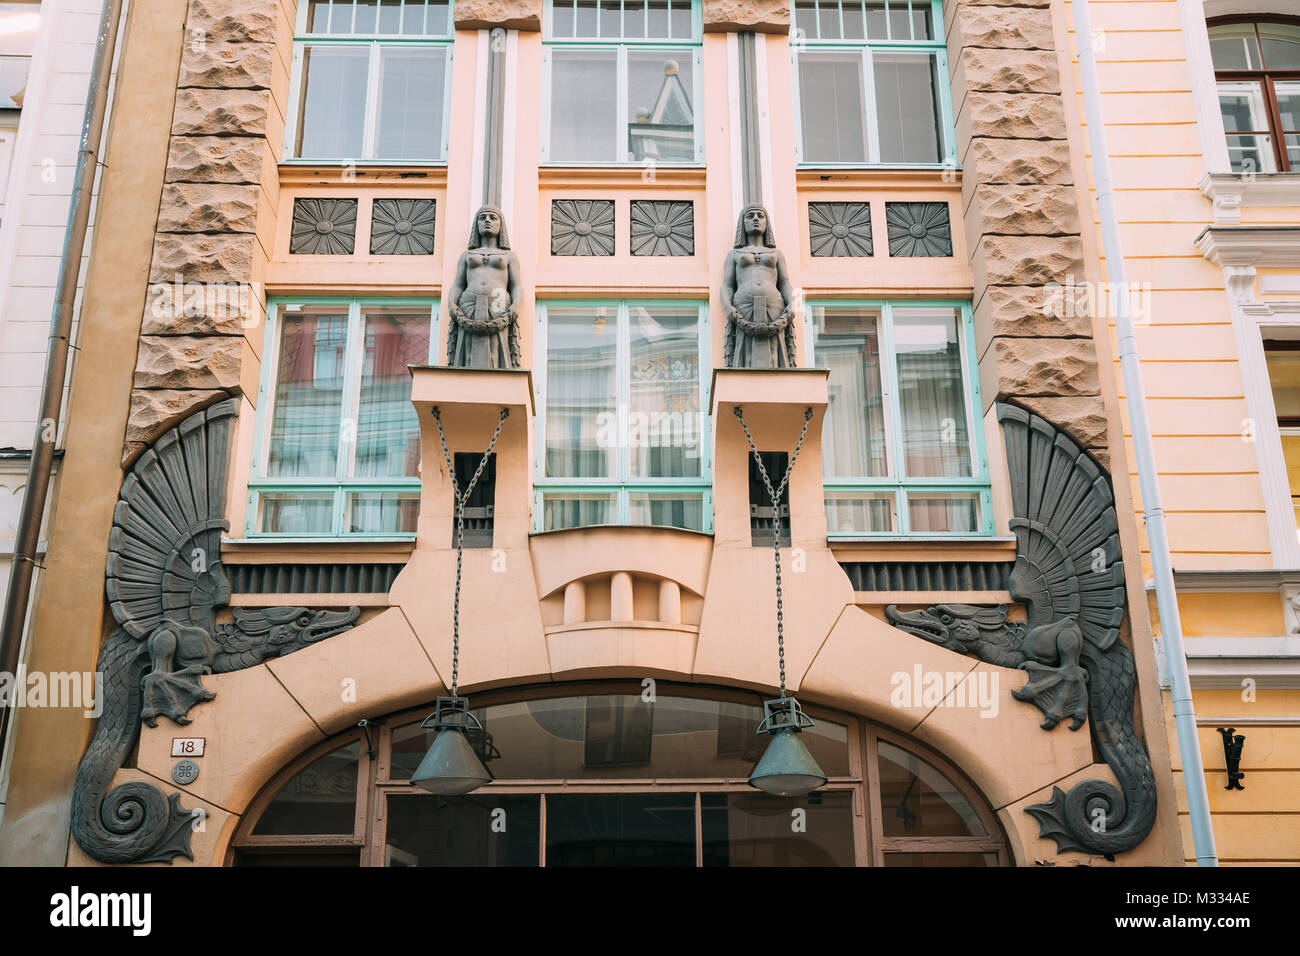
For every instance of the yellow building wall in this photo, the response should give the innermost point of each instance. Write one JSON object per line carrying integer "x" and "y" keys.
{"x": 1209, "y": 470}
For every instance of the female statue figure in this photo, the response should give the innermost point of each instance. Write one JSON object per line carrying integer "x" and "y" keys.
{"x": 484, "y": 298}
{"x": 757, "y": 297}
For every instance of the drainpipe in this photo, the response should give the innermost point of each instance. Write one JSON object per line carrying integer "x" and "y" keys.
{"x": 1171, "y": 627}
{"x": 56, "y": 356}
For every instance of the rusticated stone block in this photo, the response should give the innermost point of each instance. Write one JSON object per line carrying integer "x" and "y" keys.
{"x": 208, "y": 207}
{"x": 1011, "y": 116}
{"x": 178, "y": 307}
{"x": 189, "y": 361}
{"x": 236, "y": 21}
{"x": 508, "y": 14}
{"x": 1028, "y": 161}
{"x": 1026, "y": 312}
{"x": 1007, "y": 3}
{"x": 1082, "y": 417}
{"x": 216, "y": 159}
{"x": 223, "y": 112}
{"x": 153, "y": 411}
{"x": 203, "y": 258}
{"x": 1007, "y": 71}
{"x": 1026, "y": 260}
{"x": 761, "y": 16}
{"x": 228, "y": 66}
{"x": 1022, "y": 210}
{"x": 1044, "y": 367}
{"x": 1006, "y": 28}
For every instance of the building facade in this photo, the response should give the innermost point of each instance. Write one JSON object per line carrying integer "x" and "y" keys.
{"x": 46, "y": 53}
{"x": 634, "y": 249}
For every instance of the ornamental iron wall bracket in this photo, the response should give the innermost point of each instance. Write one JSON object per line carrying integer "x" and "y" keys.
{"x": 1232, "y": 747}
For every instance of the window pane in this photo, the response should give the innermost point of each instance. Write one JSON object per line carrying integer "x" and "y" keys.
{"x": 366, "y": 19}
{"x": 877, "y": 26}
{"x": 584, "y": 113}
{"x": 664, "y": 428}
{"x": 560, "y": 511}
{"x": 411, "y": 99}
{"x": 19, "y": 23}
{"x": 436, "y": 18}
{"x": 1281, "y": 42}
{"x": 562, "y": 18}
{"x": 319, "y": 17}
{"x": 496, "y": 830}
{"x": 907, "y": 105}
{"x": 868, "y": 513}
{"x": 919, "y": 801}
{"x": 657, "y": 18}
{"x": 1288, "y": 104}
{"x": 13, "y": 80}
{"x": 853, "y": 434}
{"x": 620, "y": 829}
{"x": 828, "y": 20}
{"x": 387, "y": 428}
{"x": 586, "y": 18}
{"x": 854, "y": 18}
{"x": 922, "y": 26}
{"x": 581, "y": 411}
{"x": 633, "y": 18}
{"x": 321, "y": 798}
{"x": 931, "y": 393}
{"x": 1233, "y": 47}
{"x": 830, "y": 107}
{"x": 1243, "y": 109}
{"x": 667, "y": 511}
{"x": 750, "y": 829}
{"x": 600, "y": 736}
{"x": 1284, "y": 379}
{"x": 331, "y": 120}
{"x": 390, "y": 17}
{"x": 805, "y": 18}
{"x": 305, "y": 428}
{"x": 296, "y": 512}
{"x": 661, "y": 116}
{"x": 681, "y": 26}
{"x": 383, "y": 512}
{"x": 944, "y": 512}
{"x": 611, "y": 25}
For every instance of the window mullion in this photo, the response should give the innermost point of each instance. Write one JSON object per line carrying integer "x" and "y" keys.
{"x": 869, "y": 104}
{"x": 623, "y": 359}
{"x": 371, "y": 124}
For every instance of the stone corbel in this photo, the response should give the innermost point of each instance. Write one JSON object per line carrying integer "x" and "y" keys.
{"x": 523, "y": 15}
{"x": 735, "y": 16}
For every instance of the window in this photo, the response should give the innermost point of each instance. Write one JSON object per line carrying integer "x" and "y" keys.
{"x": 1257, "y": 66}
{"x": 871, "y": 82}
{"x": 621, "y": 406}
{"x": 1283, "y": 360}
{"x": 623, "y": 80}
{"x": 675, "y": 796}
{"x": 370, "y": 81}
{"x": 19, "y": 22}
{"x": 338, "y": 448}
{"x": 901, "y": 449}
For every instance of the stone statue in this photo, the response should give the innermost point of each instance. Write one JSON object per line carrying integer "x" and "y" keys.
{"x": 484, "y": 300}
{"x": 757, "y": 297}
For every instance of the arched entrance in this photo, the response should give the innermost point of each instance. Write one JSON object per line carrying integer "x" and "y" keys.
{"x": 620, "y": 774}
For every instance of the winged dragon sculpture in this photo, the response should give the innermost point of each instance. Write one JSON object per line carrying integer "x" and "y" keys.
{"x": 165, "y": 584}
{"x": 1069, "y": 576}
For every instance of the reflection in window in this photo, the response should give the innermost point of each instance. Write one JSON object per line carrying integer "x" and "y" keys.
{"x": 1283, "y": 360}
{"x": 1257, "y": 66}
{"x": 743, "y": 829}
{"x": 862, "y": 97}
{"x": 321, "y": 798}
{"x": 342, "y": 447}
{"x": 898, "y": 455}
{"x": 919, "y": 801}
{"x": 622, "y": 82}
{"x": 473, "y": 830}
{"x": 635, "y": 460}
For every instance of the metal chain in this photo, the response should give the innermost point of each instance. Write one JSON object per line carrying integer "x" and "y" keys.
{"x": 775, "y": 495}
{"x": 459, "y": 499}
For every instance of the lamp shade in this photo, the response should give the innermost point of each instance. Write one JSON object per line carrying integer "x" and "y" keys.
{"x": 450, "y": 767}
{"x": 787, "y": 769}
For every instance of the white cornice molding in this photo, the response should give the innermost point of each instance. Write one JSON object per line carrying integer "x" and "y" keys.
{"x": 1251, "y": 247}
{"x": 1228, "y": 192}
{"x": 1224, "y": 662}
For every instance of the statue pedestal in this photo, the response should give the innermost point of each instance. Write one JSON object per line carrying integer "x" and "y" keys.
{"x": 773, "y": 402}
{"x": 470, "y": 401}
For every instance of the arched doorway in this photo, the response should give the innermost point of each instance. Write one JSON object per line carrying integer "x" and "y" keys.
{"x": 617, "y": 773}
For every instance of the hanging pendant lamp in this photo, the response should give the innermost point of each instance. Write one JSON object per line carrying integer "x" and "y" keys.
{"x": 450, "y": 766}
{"x": 786, "y": 769}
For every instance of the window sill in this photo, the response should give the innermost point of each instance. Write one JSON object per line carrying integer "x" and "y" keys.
{"x": 341, "y": 548}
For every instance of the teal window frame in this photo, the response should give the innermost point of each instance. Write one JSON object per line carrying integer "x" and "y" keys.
{"x": 620, "y": 485}
{"x": 373, "y": 41}
{"x": 340, "y": 485}
{"x": 800, "y": 41}
{"x": 901, "y": 487}
{"x": 695, "y": 45}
